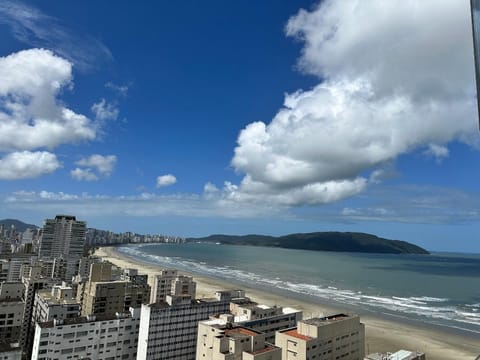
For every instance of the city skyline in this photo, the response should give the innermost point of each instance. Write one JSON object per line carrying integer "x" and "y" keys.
{"x": 192, "y": 119}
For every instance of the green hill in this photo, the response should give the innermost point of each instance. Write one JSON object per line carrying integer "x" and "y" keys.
{"x": 20, "y": 226}
{"x": 321, "y": 241}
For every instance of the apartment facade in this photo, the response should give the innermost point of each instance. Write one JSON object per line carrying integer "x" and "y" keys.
{"x": 168, "y": 330}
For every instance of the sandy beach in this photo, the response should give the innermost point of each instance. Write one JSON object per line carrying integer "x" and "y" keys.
{"x": 381, "y": 335}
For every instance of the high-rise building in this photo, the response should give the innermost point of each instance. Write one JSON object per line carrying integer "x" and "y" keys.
{"x": 334, "y": 337}
{"x": 62, "y": 237}
{"x": 33, "y": 282}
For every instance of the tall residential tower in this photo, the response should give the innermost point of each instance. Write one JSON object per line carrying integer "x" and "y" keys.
{"x": 62, "y": 237}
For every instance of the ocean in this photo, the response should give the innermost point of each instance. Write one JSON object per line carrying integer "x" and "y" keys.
{"x": 441, "y": 290}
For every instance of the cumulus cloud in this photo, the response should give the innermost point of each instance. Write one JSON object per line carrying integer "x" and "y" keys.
{"x": 26, "y": 164}
{"x": 166, "y": 180}
{"x": 94, "y": 166}
{"x": 83, "y": 174}
{"x": 30, "y": 115}
{"x": 105, "y": 111}
{"x": 389, "y": 84}
{"x": 31, "y": 26}
{"x": 103, "y": 164}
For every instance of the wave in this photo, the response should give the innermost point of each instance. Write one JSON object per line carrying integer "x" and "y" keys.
{"x": 427, "y": 308}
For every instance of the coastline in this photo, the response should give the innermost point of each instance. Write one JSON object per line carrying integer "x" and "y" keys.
{"x": 381, "y": 335}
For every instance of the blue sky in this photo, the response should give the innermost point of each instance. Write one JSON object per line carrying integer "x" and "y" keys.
{"x": 265, "y": 117}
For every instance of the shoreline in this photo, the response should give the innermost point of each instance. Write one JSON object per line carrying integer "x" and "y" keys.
{"x": 382, "y": 335}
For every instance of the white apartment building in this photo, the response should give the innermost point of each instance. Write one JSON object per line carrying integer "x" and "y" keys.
{"x": 219, "y": 341}
{"x": 168, "y": 330}
{"x": 58, "y": 303}
{"x": 94, "y": 338}
{"x": 333, "y": 337}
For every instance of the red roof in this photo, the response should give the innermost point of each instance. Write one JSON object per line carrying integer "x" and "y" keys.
{"x": 294, "y": 333}
{"x": 265, "y": 349}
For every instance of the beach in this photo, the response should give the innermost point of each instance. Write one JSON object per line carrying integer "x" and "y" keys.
{"x": 381, "y": 335}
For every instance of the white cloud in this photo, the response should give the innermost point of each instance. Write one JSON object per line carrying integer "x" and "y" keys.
{"x": 103, "y": 164}
{"x": 26, "y": 164}
{"x": 438, "y": 151}
{"x": 31, "y": 26}
{"x": 166, "y": 180}
{"x": 390, "y": 84}
{"x": 120, "y": 89}
{"x": 105, "y": 111}
{"x": 404, "y": 203}
{"x": 83, "y": 174}
{"x": 30, "y": 115}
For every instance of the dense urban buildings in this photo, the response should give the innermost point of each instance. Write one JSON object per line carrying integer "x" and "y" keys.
{"x": 51, "y": 309}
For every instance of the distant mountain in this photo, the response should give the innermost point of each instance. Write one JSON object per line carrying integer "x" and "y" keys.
{"x": 321, "y": 241}
{"x": 20, "y": 226}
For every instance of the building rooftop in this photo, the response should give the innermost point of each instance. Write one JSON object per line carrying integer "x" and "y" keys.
{"x": 322, "y": 321}
{"x": 235, "y": 331}
{"x": 82, "y": 320}
{"x": 52, "y": 300}
{"x": 294, "y": 333}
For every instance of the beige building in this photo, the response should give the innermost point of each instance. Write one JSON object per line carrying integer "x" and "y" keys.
{"x": 217, "y": 341}
{"x": 168, "y": 282}
{"x": 33, "y": 282}
{"x": 103, "y": 296}
{"x": 11, "y": 312}
{"x": 333, "y": 337}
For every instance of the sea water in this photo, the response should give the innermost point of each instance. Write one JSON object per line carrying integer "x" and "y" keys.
{"x": 440, "y": 290}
